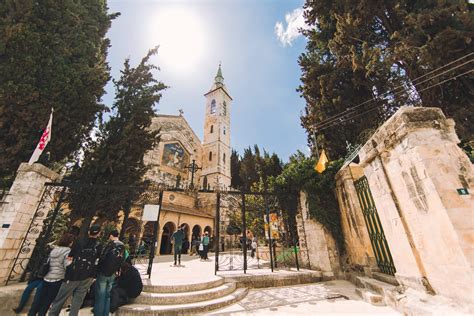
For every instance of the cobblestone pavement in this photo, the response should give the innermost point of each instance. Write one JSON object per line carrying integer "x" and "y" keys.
{"x": 330, "y": 298}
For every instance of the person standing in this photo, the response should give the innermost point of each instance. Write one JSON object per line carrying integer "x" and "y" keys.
{"x": 110, "y": 262}
{"x": 205, "y": 244}
{"x": 80, "y": 273}
{"x": 177, "y": 239}
{"x": 52, "y": 280}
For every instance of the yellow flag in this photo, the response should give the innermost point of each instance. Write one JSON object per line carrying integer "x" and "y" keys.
{"x": 323, "y": 160}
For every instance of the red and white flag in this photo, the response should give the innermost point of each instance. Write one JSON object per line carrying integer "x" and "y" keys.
{"x": 44, "y": 140}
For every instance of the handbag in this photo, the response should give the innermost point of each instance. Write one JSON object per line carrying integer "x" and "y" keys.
{"x": 43, "y": 269}
{"x": 201, "y": 247}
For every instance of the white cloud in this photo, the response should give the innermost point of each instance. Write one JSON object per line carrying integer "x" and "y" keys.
{"x": 294, "y": 22}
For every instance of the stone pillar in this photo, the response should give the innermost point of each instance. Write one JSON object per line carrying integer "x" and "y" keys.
{"x": 322, "y": 250}
{"x": 359, "y": 252}
{"x": 414, "y": 169}
{"x": 17, "y": 210}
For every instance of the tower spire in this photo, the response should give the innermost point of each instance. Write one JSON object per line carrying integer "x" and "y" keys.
{"x": 219, "y": 79}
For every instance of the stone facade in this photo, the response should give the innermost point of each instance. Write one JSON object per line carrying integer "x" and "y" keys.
{"x": 317, "y": 243}
{"x": 16, "y": 213}
{"x": 414, "y": 168}
{"x": 359, "y": 252}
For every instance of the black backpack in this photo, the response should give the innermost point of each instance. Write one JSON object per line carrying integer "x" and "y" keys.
{"x": 84, "y": 263}
{"x": 112, "y": 258}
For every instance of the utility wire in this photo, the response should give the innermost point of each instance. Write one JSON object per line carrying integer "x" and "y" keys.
{"x": 352, "y": 109}
{"x": 334, "y": 123}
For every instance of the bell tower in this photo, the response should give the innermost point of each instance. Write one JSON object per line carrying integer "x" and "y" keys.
{"x": 216, "y": 144}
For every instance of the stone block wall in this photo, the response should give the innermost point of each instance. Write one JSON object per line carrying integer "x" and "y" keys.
{"x": 321, "y": 249}
{"x": 414, "y": 168}
{"x": 17, "y": 210}
{"x": 359, "y": 252}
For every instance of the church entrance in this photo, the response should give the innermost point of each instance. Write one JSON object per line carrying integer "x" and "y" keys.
{"x": 168, "y": 230}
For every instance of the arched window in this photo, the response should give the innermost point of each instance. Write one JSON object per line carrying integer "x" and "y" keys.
{"x": 212, "y": 129}
{"x": 224, "y": 158}
{"x": 210, "y": 156}
{"x": 213, "y": 106}
{"x": 224, "y": 109}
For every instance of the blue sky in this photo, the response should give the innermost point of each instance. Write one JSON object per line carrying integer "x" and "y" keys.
{"x": 257, "y": 44}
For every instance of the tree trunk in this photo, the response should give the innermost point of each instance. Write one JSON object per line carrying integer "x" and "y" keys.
{"x": 86, "y": 223}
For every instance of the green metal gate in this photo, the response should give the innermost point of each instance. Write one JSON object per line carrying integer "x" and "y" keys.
{"x": 376, "y": 234}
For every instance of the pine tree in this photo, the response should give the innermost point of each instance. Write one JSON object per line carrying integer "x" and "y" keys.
{"x": 52, "y": 54}
{"x": 357, "y": 51}
{"x": 115, "y": 160}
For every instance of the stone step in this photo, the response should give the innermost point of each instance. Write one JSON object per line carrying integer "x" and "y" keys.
{"x": 374, "y": 285}
{"x": 182, "y": 287}
{"x": 387, "y": 278}
{"x": 370, "y": 297}
{"x": 183, "y": 309}
{"x": 149, "y": 298}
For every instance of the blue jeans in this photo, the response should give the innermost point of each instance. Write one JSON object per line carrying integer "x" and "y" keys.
{"x": 103, "y": 286}
{"x": 36, "y": 283}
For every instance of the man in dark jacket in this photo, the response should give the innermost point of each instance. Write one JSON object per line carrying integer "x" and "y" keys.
{"x": 129, "y": 285}
{"x": 110, "y": 262}
{"x": 80, "y": 274}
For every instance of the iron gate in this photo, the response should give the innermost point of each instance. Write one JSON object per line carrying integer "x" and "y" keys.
{"x": 252, "y": 234}
{"x": 61, "y": 205}
{"x": 374, "y": 227}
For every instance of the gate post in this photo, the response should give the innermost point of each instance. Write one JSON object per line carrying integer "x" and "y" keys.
{"x": 16, "y": 213}
{"x": 155, "y": 237}
{"x": 244, "y": 232}
{"x": 217, "y": 231}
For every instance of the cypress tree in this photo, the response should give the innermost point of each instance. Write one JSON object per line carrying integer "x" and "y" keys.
{"x": 52, "y": 54}
{"x": 115, "y": 160}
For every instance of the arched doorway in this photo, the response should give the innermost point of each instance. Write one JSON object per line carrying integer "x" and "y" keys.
{"x": 208, "y": 229}
{"x": 147, "y": 238}
{"x": 168, "y": 230}
{"x": 186, "y": 244}
{"x": 196, "y": 232}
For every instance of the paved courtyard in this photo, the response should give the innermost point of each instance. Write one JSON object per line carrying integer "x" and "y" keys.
{"x": 326, "y": 298}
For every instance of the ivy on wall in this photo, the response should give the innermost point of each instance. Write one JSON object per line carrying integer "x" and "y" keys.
{"x": 299, "y": 175}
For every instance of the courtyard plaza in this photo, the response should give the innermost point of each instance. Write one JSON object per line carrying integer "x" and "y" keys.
{"x": 336, "y": 297}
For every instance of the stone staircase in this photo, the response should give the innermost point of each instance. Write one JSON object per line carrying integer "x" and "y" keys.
{"x": 186, "y": 299}
{"x": 376, "y": 290}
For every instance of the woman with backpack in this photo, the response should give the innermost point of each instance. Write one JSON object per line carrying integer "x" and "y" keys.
{"x": 58, "y": 262}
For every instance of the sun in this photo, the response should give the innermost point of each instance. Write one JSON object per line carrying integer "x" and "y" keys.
{"x": 181, "y": 36}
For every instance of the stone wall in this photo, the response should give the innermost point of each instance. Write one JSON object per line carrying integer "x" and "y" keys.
{"x": 359, "y": 252}
{"x": 17, "y": 211}
{"x": 414, "y": 168}
{"x": 322, "y": 252}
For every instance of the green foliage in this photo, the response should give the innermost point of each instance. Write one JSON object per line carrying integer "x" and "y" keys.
{"x": 254, "y": 167}
{"x": 115, "y": 158}
{"x": 299, "y": 175}
{"x": 359, "y": 50}
{"x": 52, "y": 54}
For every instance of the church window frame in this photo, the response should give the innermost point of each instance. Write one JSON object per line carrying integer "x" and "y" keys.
{"x": 224, "y": 108}
{"x": 223, "y": 130}
{"x": 223, "y": 159}
{"x": 213, "y": 106}
{"x": 210, "y": 156}
{"x": 212, "y": 129}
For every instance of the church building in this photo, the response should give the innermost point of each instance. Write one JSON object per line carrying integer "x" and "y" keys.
{"x": 182, "y": 160}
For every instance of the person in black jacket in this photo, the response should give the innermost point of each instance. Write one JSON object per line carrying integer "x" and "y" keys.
{"x": 128, "y": 285}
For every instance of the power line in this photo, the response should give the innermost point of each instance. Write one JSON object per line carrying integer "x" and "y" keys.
{"x": 352, "y": 109}
{"x": 334, "y": 123}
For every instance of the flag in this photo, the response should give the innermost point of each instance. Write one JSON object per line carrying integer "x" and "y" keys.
{"x": 44, "y": 140}
{"x": 323, "y": 160}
